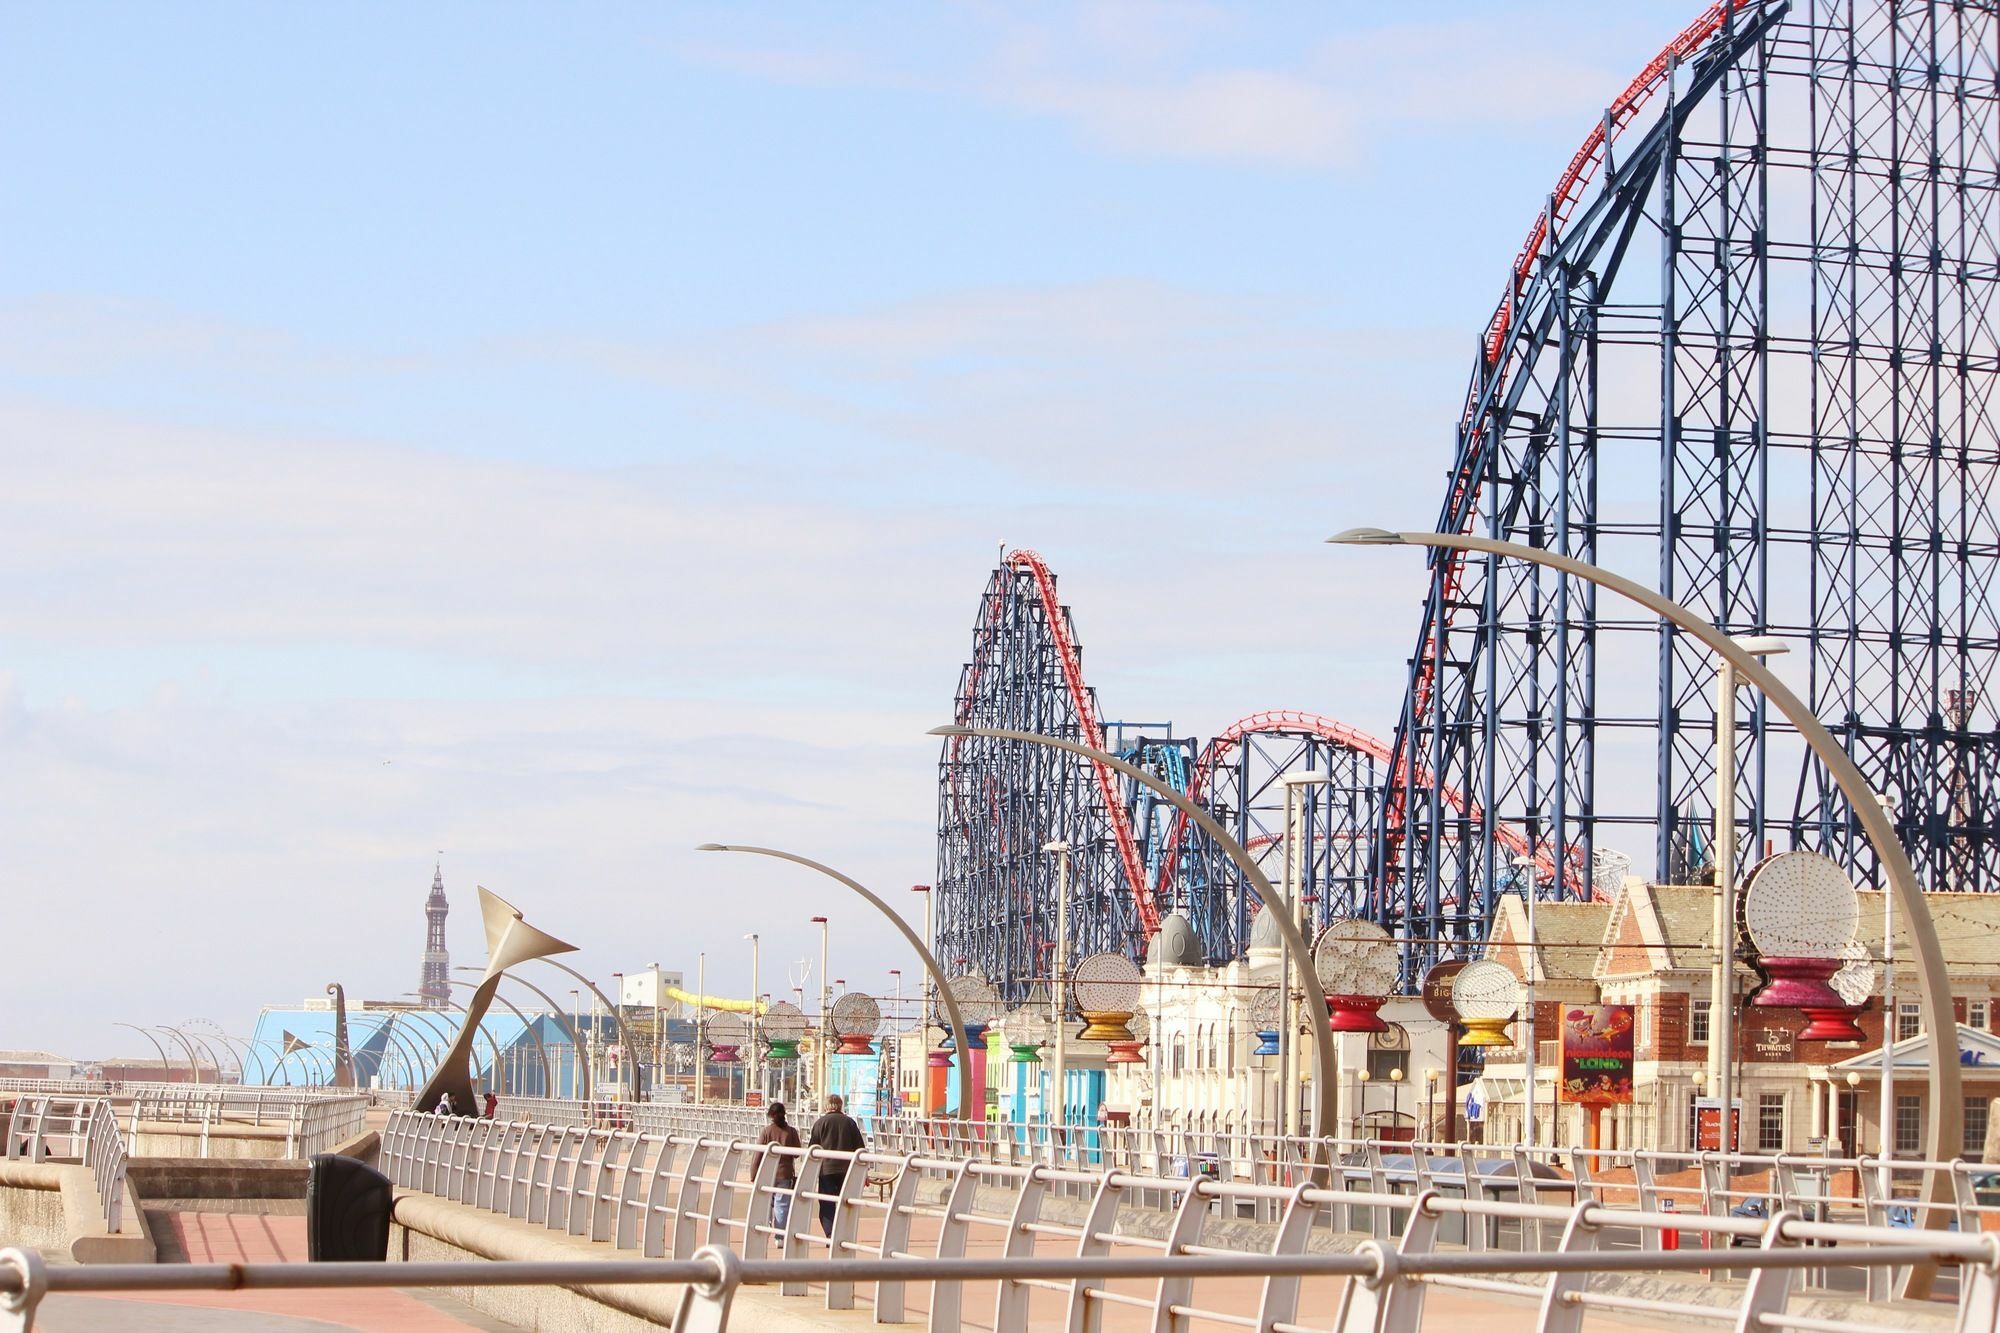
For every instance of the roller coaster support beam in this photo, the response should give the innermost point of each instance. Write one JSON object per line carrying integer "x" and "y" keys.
{"x": 1323, "y": 1127}
{"x": 938, "y": 978}
{"x": 1947, "y": 1108}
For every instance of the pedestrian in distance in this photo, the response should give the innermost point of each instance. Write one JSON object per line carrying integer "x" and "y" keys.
{"x": 492, "y": 1104}
{"x": 444, "y": 1104}
{"x": 834, "y": 1131}
{"x": 778, "y": 1133}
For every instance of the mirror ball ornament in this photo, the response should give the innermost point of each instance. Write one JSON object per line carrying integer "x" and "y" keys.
{"x": 1355, "y": 961}
{"x": 1106, "y": 987}
{"x": 726, "y": 1035}
{"x": 1266, "y": 1016}
{"x": 1800, "y": 911}
{"x": 855, "y": 1019}
{"x": 1854, "y": 983}
{"x": 784, "y": 1025}
{"x": 978, "y": 1002}
{"x": 1486, "y": 995}
{"x": 1026, "y": 1029}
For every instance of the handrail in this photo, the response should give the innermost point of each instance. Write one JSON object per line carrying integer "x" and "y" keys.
{"x": 666, "y": 1197}
{"x": 73, "y": 1131}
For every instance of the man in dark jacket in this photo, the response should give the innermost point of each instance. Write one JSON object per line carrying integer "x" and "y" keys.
{"x": 834, "y": 1131}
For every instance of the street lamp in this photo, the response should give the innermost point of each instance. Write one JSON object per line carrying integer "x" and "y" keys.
{"x": 823, "y": 1049}
{"x": 1529, "y": 966}
{"x": 1361, "y": 1104}
{"x": 923, "y": 951}
{"x": 1059, "y": 1100}
{"x": 1947, "y": 1109}
{"x": 1722, "y": 983}
{"x": 1431, "y": 1077}
{"x": 755, "y": 1072}
{"x": 1296, "y": 855}
{"x": 1396, "y": 1099}
{"x": 1288, "y": 930}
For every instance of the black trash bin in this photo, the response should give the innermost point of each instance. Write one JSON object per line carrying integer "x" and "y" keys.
{"x": 347, "y": 1211}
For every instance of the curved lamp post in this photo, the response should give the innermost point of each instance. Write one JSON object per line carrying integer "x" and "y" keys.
{"x": 406, "y": 1054}
{"x": 188, "y": 1044}
{"x": 484, "y": 1031}
{"x": 194, "y": 1061}
{"x": 965, "y": 1107}
{"x": 631, "y": 1060}
{"x": 1941, "y": 1029}
{"x": 582, "y": 1086}
{"x": 165, "y": 1064}
{"x": 541, "y": 1051}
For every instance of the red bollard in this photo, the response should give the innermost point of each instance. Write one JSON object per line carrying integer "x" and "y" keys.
{"x": 1669, "y": 1239}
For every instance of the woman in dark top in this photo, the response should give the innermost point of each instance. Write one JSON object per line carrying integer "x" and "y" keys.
{"x": 779, "y": 1133}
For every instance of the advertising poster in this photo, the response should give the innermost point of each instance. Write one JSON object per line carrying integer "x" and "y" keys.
{"x": 1597, "y": 1054}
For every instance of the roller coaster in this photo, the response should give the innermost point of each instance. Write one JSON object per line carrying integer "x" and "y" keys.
{"x": 1749, "y": 348}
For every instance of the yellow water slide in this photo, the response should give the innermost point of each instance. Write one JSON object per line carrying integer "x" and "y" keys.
{"x": 679, "y": 996}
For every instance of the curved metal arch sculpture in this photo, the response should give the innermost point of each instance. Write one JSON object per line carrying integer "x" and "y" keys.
{"x": 1782, "y": 420}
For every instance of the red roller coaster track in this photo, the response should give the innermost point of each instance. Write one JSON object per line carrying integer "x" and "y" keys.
{"x": 1092, "y": 733}
{"x": 1314, "y": 724}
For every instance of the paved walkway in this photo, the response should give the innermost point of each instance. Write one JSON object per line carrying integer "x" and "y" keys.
{"x": 249, "y": 1238}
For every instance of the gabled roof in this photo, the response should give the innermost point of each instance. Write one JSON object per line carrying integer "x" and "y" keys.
{"x": 1976, "y": 1047}
{"x": 1569, "y": 935}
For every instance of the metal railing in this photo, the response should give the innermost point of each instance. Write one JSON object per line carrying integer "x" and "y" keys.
{"x": 75, "y": 1131}
{"x": 667, "y": 1197}
{"x": 311, "y": 1123}
{"x": 646, "y": 1117}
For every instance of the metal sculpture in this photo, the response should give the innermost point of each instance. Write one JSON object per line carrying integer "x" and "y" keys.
{"x": 343, "y": 1058}
{"x": 1748, "y": 348}
{"x": 1486, "y": 995}
{"x": 1357, "y": 967}
{"x": 509, "y": 941}
{"x": 855, "y": 1020}
{"x": 784, "y": 1027}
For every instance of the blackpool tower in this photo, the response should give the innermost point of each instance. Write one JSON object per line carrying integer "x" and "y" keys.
{"x": 436, "y": 988}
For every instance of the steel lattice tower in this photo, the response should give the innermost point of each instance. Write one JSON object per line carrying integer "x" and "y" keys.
{"x": 1749, "y": 351}
{"x": 436, "y": 987}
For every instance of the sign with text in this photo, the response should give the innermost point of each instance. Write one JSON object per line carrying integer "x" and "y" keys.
{"x": 1708, "y": 1125}
{"x": 1597, "y": 1054}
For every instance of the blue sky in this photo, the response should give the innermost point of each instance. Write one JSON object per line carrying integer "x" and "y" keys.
{"x": 561, "y": 437}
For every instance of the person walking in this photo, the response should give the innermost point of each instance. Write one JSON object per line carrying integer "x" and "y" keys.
{"x": 444, "y": 1106}
{"x": 834, "y": 1131}
{"x": 492, "y": 1104}
{"x": 779, "y": 1133}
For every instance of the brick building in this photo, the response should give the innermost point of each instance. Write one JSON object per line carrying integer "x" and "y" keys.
{"x": 1651, "y": 947}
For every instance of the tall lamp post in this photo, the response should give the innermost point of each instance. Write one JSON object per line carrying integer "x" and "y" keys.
{"x": 756, "y": 1025}
{"x": 1288, "y": 929}
{"x": 1530, "y": 965}
{"x": 1947, "y": 1109}
{"x": 1722, "y": 983}
{"x": 1059, "y": 1098}
{"x": 823, "y": 1048}
{"x": 923, "y": 951}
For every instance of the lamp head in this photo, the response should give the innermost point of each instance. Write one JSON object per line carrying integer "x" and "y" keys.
{"x": 949, "y": 729}
{"x": 1853, "y": 1079}
{"x": 1763, "y": 645}
{"x": 1367, "y": 537}
{"x": 713, "y": 847}
{"x": 1395, "y": 1076}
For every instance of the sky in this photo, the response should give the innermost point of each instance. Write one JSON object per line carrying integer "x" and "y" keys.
{"x": 541, "y": 440}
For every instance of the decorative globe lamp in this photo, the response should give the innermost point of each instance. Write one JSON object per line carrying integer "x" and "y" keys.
{"x": 1486, "y": 996}
{"x": 1357, "y": 966}
{"x": 1800, "y": 911}
{"x": 1854, "y": 983}
{"x": 784, "y": 1028}
{"x": 1106, "y": 986}
{"x": 1027, "y": 1029}
{"x": 854, "y": 1019}
{"x": 726, "y": 1035}
{"x": 1127, "y": 1052}
{"x": 1267, "y": 1015}
{"x": 978, "y": 1003}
